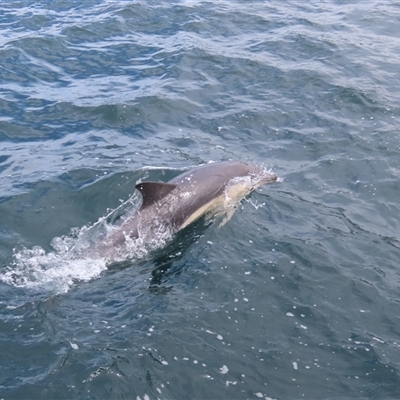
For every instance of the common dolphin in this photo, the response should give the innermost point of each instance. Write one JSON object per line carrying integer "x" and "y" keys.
{"x": 168, "y": 207}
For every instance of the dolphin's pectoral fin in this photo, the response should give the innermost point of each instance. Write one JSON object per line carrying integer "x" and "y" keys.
{"x": 153, "y": 191}
{"x": 228, "y": 215}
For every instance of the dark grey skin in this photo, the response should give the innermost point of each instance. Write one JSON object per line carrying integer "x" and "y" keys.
{"x": 170, "y": 207}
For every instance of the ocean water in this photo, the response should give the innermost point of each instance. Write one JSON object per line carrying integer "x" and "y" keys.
{"x": 297, "y": 296}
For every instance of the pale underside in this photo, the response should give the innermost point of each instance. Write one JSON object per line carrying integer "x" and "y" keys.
{"x": 223, "y": 204}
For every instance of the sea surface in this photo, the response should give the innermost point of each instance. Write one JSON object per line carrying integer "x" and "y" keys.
{"x": 297, "y": 296}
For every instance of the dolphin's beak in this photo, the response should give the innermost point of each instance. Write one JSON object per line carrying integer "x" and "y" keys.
{"x": 261, "y": 177}
{"x": 269, "y": 178}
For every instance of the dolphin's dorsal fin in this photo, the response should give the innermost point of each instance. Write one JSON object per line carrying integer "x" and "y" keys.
{"x": 153, "y": 191}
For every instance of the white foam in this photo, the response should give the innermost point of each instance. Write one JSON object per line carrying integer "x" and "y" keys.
{"x": 36, "y": 269}
{"x": 224, "y": 369}
{"x": 74, "y": 258}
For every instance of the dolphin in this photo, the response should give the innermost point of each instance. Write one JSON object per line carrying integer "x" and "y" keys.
{"x": 168, "y": 207}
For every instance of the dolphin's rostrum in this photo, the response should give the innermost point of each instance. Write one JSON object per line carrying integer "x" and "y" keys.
{"x": 169, "y": 207}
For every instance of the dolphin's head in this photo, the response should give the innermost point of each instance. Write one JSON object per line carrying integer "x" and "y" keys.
{"x": 260, "y": 176}
{"x": 257, "y": 176}
{"x": 248, "y": 178}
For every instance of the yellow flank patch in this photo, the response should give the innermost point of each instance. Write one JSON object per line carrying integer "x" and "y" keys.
{"x": 234, "y": 192}
{"x": 201, "y": 211}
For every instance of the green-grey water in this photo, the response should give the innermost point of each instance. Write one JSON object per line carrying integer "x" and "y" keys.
{"x": 297, "y": 296}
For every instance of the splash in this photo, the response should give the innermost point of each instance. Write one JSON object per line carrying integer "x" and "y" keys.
{"x": 72, "y": 259}
{"x": 52, "y": 271}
